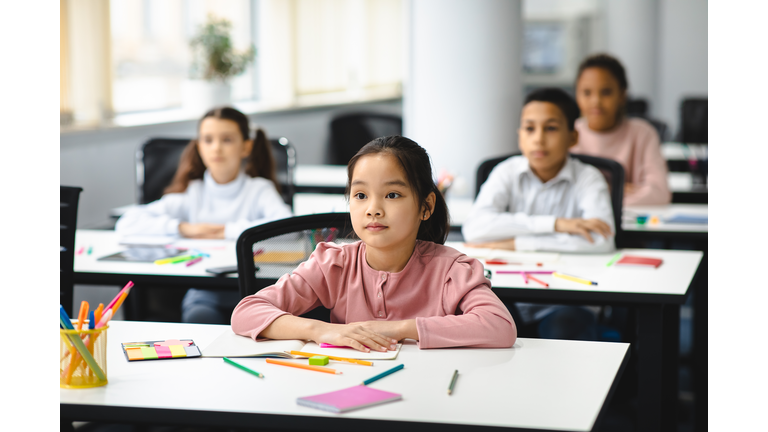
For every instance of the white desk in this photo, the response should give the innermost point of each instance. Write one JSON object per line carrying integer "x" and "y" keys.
{"x": 538, "y": 384}
{"x": 629, "y": 216}
{"x": 320, "y": 178}
{"x": 655, "y": 295}
{"x": 674, "y": 151}
{"x": 88, "y": 269}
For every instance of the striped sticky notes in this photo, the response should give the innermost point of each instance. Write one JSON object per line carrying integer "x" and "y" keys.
{"x": 160, "y": 350}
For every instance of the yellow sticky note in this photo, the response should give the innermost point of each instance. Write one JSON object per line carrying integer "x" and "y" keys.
{"x": 134, "y": 354}
{"x": 178, "y": 351}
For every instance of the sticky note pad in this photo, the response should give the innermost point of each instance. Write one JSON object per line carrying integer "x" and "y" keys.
{"x": 192, "y": 351}
{"x": 177, "y": 351}
{"x": 170, "y": 342}
{"x": 134, "y": 354}
{"x": 318, "y": 360}
{"x": 148, "y": 353}
{"x": 163, "y": 351}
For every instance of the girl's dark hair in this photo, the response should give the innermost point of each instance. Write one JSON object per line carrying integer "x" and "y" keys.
{"x": 259, "y": 163}
{"x": 418, "y": 170}
{"x": 609, "y": 63}
{"x": 557, "y": 97}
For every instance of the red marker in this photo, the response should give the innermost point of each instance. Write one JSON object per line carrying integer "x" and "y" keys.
{"x": 546, "y": 285}
{"x": 500, "y": 262}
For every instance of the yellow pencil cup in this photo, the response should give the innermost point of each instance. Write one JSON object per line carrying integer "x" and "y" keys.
{"x": 83, "y": 357}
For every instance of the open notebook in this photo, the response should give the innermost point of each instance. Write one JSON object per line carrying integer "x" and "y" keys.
{"x": 231, "y": 345}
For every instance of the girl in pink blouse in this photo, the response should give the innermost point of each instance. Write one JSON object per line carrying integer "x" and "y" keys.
{"x": 604, "y": 131}
{"x": 398, "y": 282}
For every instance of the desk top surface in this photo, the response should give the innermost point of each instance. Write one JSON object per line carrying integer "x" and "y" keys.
{"x": 629, "y": 216}
{"x": 538, "y": 384}
{"x": 672, "y": 278}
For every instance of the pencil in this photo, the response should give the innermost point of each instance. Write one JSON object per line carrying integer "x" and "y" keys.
{"x": 303, "y": 366}
{"x": 249, "y": 370}
{"x": 525, "y": 277}
{"x": 574, "y": 278}
{"x": 539, "y": 281}
{"x": 613, "y": 260}
{"x": 524, "y": 271}
{"x": 453, "y": 381}
{"x": 383, "y": 374}
{"x": 356, "y": 361}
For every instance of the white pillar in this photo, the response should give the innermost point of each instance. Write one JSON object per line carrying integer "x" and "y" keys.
{"x": 632, "y": 37}
{"x": 462, "y": 90}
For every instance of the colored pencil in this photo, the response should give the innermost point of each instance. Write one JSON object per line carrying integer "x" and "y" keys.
{"x": 525, "y": 271}
{"x": 303, "y": 366}
{"x": 249, "y": 370}
{"x": 194, "y": 261}
{"x": 525, "y": 277}
{"x": 453, "y": 381}
{"x": 614, "y": 259}
{"x": 356, "y": 361}
{"x": 546, "y": 285}
{"x": 573, "y": 278}
{"x": 383, "y": 374}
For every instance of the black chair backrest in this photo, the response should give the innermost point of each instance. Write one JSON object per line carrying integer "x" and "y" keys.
{"x": 158, "y": 159}
{"x": 350, "y": 132}
{"x": 637, "y": 107}
{"x": 70, "y": 196}
{"x": 693, "y": 121}
{"x": 612, "y": 170}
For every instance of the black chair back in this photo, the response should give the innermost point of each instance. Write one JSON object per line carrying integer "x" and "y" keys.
{"x": 611, "y": 170}
{"x": 693, "y": 121}
{"x": 158, "y": 159}
{"x": 267, "y": 252}
{"x": 350, "y": 132}
{"x": 70, "y": 196}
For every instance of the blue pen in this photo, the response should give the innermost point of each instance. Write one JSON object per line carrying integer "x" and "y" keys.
{"x": 91, "y": 320}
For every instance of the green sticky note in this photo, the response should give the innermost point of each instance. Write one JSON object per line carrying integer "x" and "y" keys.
{"x": 148, "y": 353}
{"x": 318, "y": 360}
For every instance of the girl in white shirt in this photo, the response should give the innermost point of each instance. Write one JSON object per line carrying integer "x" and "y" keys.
{"x": 225, "y": 184}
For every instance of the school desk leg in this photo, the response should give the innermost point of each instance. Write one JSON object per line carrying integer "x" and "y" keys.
{"x": 700, "y": 334}
{"x": 671, "y": 367}
{"x": 649, "y": 341}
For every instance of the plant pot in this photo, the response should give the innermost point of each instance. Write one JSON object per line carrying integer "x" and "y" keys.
{"x": 199, "y": 96}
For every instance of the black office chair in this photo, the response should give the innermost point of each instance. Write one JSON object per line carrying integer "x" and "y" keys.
{"x": 693, "y": 121}
{"x": 351, "y": 131}
{"x": 612, "y": 170}
{"x": 70, "y": 196}
{"x": 267, "y": 252}
{"x": 158, "y": 159}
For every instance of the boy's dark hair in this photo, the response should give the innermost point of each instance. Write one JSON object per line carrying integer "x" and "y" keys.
{"x": 260, "y": 163}
{"x": 609, "y": 63}
{"x": 418, "y": 170}
{"x": 558, "y": 97}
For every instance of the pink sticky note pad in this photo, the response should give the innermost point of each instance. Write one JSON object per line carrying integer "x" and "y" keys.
{"x": 163, "y": 351}
{"x": 348, "y": 399}
{"x": 174, "y": 342}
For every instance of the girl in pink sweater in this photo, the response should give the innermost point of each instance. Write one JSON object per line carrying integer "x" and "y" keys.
{"x": 604, "y": 131}
{"x": 398, "y": 282}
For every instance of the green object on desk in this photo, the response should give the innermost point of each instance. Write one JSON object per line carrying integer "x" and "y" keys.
{"x": 249, "y": 370}
{"x": 641, "y": 220}
{"x": 383, "y": 374}
{"x": 614, "y": 259}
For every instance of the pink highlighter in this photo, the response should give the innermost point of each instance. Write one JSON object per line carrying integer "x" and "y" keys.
{"x": 327, "y": 345}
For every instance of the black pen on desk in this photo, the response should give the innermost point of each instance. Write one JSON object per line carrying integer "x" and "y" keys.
{"x": 453, "y": 382}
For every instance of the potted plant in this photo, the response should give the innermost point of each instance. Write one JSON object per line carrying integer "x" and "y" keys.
{"x": 214, "y": 63}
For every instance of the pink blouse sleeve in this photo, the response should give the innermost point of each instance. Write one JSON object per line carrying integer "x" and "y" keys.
{"x": 475, "y": 317}
{"x": 293, "y": 294}
{"x": 650, "y": 171}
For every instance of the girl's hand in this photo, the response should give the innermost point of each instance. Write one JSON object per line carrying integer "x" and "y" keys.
{"x": 396, "y": 330}
{"x": 508, "y": 244}
{"x": 582, "y": 227}
{"x": 201, "y": 230}
{"x": 356, "y": 335}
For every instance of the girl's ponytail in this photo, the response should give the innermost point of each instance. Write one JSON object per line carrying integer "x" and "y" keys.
{"x": 260, "y": 162}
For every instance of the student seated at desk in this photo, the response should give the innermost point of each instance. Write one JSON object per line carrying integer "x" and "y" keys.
{"x": 604, "y": 131}
{"x": 213, "y": 196}
{"x": 545, "y": 200}
{"x": 398, "y": 282}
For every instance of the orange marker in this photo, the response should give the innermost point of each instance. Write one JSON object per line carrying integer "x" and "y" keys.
{"x": 82, "y": 315}
{"x": 303, "y": 366}
{"x": 98, "y": 311}
{"x": 546, "y": 285}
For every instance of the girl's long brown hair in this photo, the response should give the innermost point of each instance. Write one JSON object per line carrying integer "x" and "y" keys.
{"x": 259, "y": 163}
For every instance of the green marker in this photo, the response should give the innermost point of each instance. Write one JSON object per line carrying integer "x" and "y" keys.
{"x": 614, "y": 259}
{"x": 238, "y": 365}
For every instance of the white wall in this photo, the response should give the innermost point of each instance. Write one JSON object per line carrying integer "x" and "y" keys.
{"x": 102, "y": 162}
{"x": 683, "y": 58}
